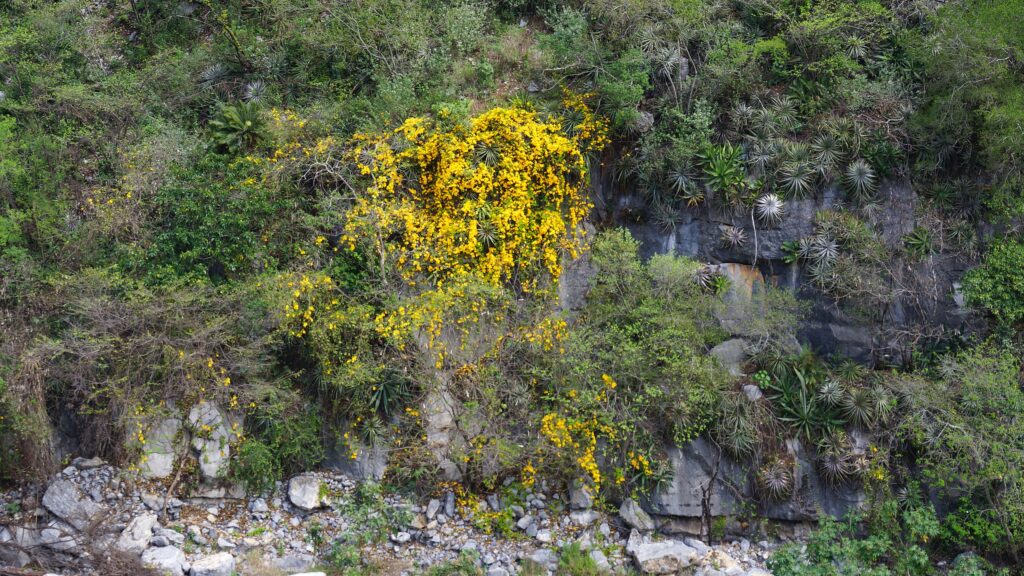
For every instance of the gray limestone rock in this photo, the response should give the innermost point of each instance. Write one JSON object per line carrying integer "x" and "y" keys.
{"x": 67, "y": 502}
{"x": 168, "y": 560}
{"x": 137, "y": 536}
{"x": 304, "y": 491}
{"x": 220, "y": 564}
{"x": 634, "y": 516}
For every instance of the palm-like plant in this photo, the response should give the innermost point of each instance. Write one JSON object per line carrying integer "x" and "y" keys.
{"x": 770, "y": 209}
{"x": 860, "y": 180}
{"x": 775, "y": 479}
{"x": 238, "y": 127}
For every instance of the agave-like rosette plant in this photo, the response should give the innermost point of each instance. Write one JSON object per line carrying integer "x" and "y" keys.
{"x": 860, "y": 180}
{"x": 775, "y": 479}
{"x": 770, "y": 209}
{"x": 743, "y": 116}
{"x": 254, "y": 91}
{"x": 785, "y": 109}
{"x": 666, "y": 216}
{"x": 679, "y": 179}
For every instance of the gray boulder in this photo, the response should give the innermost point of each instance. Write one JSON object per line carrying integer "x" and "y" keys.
{"x": 295, "y": 563}
{"x": 304, "y": 491}
{"x": 634, "y": 516}
{"x": 579, "y": 497}
{"x": 168, "y": 560}
{"x": 139, "y": 533}
{"x": 67, "y": 502}
{"x": 210, "y": 439}
{"x": 731, "y": 354}
{"x": 160, "y": 449}
{"x": 220, "y": 564}
{"x": 666, "y": 557}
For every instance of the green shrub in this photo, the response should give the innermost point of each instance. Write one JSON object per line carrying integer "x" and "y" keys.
{"x": 255, "y": 466}
{"x": 971, "y": 444}
{"x": 573, "y": 560}
{"x": 997, "y": 286}
{"x": 895, "y": 543}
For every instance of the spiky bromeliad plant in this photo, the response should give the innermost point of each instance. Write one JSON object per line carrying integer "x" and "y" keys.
{"x": 794, "y": 396}
{"x": 835, "y": 458}
{"x": 733, "y": 237}
{"x": 724, "y": 172}
{"x": 770, "y": 209}
{"x": 796, "y": 178}
{"x": 860, "y": 181}
{"x": 775, "y": 479}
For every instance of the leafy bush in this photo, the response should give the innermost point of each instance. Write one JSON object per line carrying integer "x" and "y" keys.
{"x": 896, "y": 543}
{"x": 997, "y": 286}
{"x": 972, "y": 444}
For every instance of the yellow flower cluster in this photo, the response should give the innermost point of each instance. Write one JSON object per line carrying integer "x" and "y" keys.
{"x": 497, "y": 203}
{"x": 548, "y": 334}
{"x": 580, "y": 438}
{"x": 300, "y": 310}
{"x": 640, "y": 463}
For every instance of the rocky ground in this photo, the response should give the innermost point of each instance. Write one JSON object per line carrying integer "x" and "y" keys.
{"x": 93, "y": 518}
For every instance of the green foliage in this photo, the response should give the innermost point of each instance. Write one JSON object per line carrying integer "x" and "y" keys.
{"x": 723, "y": 171}
{"x": 289, "y": 432}
{"x": 574, "y": 560}
{"x": 215, "y": 220}
{"x": 972, "y": 444}
{"x": 238, "y": 127}
{"x": 371, "y": 518}
{"x": 895, "y": 544}
{"x": 255, "y": 466}
{"x": 997, "y": 286}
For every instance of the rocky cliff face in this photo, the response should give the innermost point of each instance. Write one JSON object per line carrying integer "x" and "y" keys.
{"x": 927, "y": 302}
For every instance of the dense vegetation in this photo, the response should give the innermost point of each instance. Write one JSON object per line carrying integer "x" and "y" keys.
{"x": 325, "y": 216}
